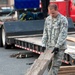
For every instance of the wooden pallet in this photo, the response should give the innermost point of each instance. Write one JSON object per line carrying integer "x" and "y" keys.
{"x": 40, "y": 64}
{"x": 67, "y": 70}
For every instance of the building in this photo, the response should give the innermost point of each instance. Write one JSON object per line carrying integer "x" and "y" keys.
{"x": 6, "y": 3}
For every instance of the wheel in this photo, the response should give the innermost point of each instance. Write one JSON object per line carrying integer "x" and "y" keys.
{"x": 4, "y": 40}
{"x": 3, "y": 36}
{"x": 7, "y": 46}
{"x": 1, "y": 45}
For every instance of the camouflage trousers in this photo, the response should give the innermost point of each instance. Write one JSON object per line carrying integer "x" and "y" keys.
{"x": 56, "y": 63}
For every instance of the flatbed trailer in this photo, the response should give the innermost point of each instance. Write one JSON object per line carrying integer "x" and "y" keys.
{"x": 28, "y": 35}
{"x": 33, "y": 43}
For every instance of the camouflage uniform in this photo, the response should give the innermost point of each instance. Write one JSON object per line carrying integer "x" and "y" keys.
{"x": 54, "y": 35}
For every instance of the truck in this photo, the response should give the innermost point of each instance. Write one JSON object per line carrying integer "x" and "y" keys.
{"x": 28, "y": 34}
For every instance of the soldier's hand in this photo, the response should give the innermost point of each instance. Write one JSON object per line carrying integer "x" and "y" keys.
{"x": 43, "y": 48}
{"x": 55, "y": 50}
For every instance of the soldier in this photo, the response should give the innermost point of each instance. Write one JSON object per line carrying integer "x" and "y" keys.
{"x": 54, "y": 37}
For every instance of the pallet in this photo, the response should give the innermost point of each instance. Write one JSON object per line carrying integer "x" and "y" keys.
{"x": 67, "y": 70}
{"x": 71, "y": 39}
{"x": 40, "y": 64}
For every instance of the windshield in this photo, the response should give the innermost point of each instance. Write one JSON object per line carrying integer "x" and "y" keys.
{"x": 74, "y": 2}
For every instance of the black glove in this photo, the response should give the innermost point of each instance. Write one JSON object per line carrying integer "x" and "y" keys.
{"x": 55, "y": 51}
{"x": 43, "y": 49}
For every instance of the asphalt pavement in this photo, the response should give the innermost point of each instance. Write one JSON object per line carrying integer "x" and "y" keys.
{"x": 14, "y": 66}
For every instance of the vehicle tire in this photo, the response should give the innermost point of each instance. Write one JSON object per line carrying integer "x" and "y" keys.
{"x": 1, "y": 45}
{"x": 6, "y": 46}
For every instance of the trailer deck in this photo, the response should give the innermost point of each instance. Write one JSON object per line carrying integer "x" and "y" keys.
{"x": 35, "y": 40}
{"x": 28, "y": 40}
{"x": 33, "y": 43}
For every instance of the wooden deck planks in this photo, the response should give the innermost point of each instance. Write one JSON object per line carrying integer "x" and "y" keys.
{"x": 67, "y": 70}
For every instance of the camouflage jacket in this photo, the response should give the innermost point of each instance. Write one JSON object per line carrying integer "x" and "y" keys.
{"x": 55, "y": 32}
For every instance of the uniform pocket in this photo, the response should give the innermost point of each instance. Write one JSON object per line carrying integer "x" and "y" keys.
{"x": 57, "y": 30}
